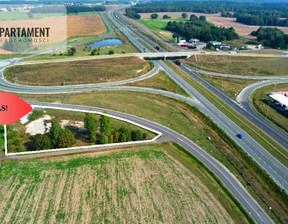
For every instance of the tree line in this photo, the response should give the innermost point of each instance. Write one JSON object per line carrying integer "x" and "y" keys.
{"x": 105, "y": 133}
{"x": 201, "y": 29}
{"x": 271, "y": 37}
{"x": 69, "y": 9}
{"x": 273, "y": 8}
{"x": 261, "y": 20}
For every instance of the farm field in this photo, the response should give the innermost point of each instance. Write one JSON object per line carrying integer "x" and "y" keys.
{"x": 259, "y": 100}
{"x": 241, "y": 65}
{"x": 131, "y": 185}
{"x": 159, "y": 24}
{"x": 217, "y": 20}
{"x": 176, "y": 115}
{"x": 61, "y": 28}
{"x": 80, "y": 25}
{"x": 78, "y": 72}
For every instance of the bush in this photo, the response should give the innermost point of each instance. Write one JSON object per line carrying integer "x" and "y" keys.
{"x": 126, "y": 132}
{"x": 93, "y": 52}
{"x": 111, "y": 138}
{"x": 41, "y": 142}
{"x": 104, "y": 139}
{"x": 66, "y": 139}
{"x": 35, "y": 115}
{"x": 166, "y": 17}
{"x": 184, "y": 15}
{"x": 71, "y": 51}
{"x": 122, "y": 137}
{"x": 154, "y": 16}
{"x": 137, "y": 135}
{"x": 111, "y": 52}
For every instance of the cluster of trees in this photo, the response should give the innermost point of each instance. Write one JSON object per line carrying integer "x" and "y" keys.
{"x": 107, "y": 133}
{"x": 132, "y": 13}
{"x": 261, "y": 20}
{"x": 68, "y": 9}
{"x": 199, "y": 28}
{"x": 154, "y": 16}
{"x": 71, "y": 51}
{"x": 271, "y": 37}
{"x": 57, "y": 138}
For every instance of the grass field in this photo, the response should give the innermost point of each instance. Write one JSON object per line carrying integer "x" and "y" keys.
{"x": 259, "y": 101}
{"x": 147, "y": 184}
{"x": 239, "y": 65}
{"x": 230, "y": 86}
{"x": 160, "y": 81}
{"x": 159, "y": 24}
{"x": 78, "y": 72}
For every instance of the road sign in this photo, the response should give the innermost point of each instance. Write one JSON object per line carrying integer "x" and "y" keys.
{"x": 12, "y": 108}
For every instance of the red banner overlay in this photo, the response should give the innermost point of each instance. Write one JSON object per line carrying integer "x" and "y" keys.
{"x": 12, "y": 108}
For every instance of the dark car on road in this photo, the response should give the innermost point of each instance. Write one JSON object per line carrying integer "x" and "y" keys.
{"x": 239, "y": 135}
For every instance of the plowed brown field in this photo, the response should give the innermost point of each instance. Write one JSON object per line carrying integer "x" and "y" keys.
{"x": 85, "y": 25}
{"x": 216, "y": 19}
{"x": 61, "y": 27}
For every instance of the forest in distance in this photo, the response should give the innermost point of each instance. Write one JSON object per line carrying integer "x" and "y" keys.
{"x": 262, "y": 13}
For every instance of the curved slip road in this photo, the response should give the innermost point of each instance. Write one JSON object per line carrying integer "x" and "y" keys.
{"x": 192, "y": 69}
{"x": 256, "y": 212}
{"x": 245, "y": 109}
{"x": 243, "y": 99}
{"x": 5, "y": 83}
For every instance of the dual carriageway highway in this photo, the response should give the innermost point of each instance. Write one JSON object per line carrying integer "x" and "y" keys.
{"x": 273, "y": 167}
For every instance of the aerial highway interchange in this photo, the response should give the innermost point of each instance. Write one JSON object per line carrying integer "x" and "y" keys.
{"x": 260, "y": 155}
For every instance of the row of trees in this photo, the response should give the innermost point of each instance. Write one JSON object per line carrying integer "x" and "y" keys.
{"x": 271, "y": 37}
{"x": 108, "y": 134}
{"x": 68, "y": 9}
{"x": 276, "y": 9}
{"x": 201, "y": 29}
{"x": 261, "y": 20}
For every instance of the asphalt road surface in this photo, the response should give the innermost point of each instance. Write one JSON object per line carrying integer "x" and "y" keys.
{"x": 246, "y": 110}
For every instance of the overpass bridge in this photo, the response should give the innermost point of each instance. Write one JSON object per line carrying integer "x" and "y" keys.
{"x": 164, "y": 55}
